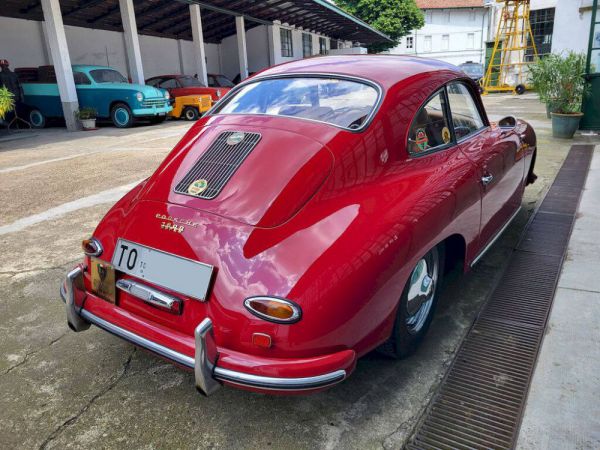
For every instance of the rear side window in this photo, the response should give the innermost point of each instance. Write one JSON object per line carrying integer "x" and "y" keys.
{"x": 430, "y": 130}
{"x": 465, "y": 115}
{"x": 81, "y": 78}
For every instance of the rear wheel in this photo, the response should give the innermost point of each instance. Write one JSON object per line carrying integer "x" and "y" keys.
{"x": 417, "y": 305}
{"x": 121, "y": 116}
{"x": 37, "y": 119}
{"x": 520, "y": 89}
{"x": 190, "y": 113}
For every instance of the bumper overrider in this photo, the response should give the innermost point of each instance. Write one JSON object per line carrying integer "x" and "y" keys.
{"x": 208, "y": 375}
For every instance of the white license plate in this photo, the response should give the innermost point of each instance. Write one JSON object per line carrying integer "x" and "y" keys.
{"x": 174, "y": 272}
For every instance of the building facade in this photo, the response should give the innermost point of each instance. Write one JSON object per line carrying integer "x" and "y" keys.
{"x": 455, "y": 31}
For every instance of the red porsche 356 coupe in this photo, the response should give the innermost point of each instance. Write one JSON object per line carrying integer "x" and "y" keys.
{"x": 306, "y": 220}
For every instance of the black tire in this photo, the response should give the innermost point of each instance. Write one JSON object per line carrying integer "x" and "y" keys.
{"x": 520, "y": 89}
{"x": 121, "y": 115}
{"x": 406, "y": 338}
{"x": 158, "y": 119}
{"x": 190, "y": 113}
{"x": 37, "y": 119}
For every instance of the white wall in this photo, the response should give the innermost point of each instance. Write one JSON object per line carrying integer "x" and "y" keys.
{"x": 457, "y": 24}
{"x": 99, "y": 47}
{"x": 22, "y": 43}
{"x": 571, "y": 27}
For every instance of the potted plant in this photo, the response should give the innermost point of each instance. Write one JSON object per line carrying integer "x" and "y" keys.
{"x": 87, "y": 117}
{"x": 560, "y": 82}
{"x": 7, "y": 102}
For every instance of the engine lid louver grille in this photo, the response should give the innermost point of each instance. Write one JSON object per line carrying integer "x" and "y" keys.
{"x": 217, "y": 164}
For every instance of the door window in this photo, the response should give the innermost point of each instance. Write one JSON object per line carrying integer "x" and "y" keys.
{"x": 81, "y": 78}
{"x": 430, "y": 130}
{"x": 465, "y": 114}
{"x": 169, "y": 84}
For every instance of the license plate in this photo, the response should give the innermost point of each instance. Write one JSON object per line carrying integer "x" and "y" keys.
{"x": 174, "y": 272}
{"x": 103, "y": 280}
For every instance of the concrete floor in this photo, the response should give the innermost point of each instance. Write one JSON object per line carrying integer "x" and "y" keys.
{"x": 60, "y": 389}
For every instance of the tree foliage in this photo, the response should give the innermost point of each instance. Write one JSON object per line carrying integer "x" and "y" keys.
{"x": 395, "y": 18}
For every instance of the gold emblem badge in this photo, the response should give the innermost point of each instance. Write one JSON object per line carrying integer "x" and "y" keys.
{"x": 197, "y": 187}
{"x": 235, "y": 138}
{"x": 445, "y": 135}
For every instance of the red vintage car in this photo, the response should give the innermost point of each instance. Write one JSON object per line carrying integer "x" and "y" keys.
{"x": 179, "y": 85}
{"x": 306, "y": 220}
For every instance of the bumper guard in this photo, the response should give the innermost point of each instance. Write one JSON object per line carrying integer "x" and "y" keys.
{"x": 207, "y": 375}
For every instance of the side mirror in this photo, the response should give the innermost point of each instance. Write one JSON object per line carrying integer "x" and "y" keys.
{"x": 508, "y": 122}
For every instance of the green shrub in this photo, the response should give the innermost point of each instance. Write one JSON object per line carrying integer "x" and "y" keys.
{"x": 7, "y": 102}
{"x": 559, "y": 80}
{"x": 86, "y": 113}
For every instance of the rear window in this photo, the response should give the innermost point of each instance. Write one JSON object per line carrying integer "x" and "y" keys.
{"x": 340, "y": 102}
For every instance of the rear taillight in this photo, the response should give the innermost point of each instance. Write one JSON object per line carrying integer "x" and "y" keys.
{"x": 91, "y": 247}
{"x": 273, "y": 309}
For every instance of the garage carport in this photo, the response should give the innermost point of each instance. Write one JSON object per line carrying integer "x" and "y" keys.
{"x": 198, "y": 22}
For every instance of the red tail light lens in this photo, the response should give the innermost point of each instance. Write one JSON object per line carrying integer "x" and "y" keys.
{"x": 273, "y": 309}
{"x": 91, "y": 247}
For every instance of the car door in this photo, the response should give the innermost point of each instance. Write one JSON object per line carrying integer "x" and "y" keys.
{"x": 495, "y": 153}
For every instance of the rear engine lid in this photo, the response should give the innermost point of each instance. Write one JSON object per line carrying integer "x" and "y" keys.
{"x": 258, "y": 176}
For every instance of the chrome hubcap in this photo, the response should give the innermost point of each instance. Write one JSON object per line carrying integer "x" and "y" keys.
{"x": 421, "y": 291}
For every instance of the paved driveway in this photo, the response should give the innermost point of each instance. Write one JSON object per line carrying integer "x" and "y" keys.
{"x": 60, "y": 389}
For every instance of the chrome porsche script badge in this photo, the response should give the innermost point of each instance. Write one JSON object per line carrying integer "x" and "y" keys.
{"x": 197, "y": 187}
{"x": 235, "y": 138}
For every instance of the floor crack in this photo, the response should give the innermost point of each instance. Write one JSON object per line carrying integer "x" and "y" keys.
{"x": 29, "y": 354}
{"x": 73, "y": 419}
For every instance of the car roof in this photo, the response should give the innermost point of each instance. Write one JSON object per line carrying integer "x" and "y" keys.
{"x": 90, "y": 67}
{"x": 386, "y": 70}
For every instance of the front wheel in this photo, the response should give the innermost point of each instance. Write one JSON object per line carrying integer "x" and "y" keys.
{"x": 121, "y": 115}
{"x": 417, "y": 304}
{"x": 190, "y": 113}
{"x": 520, "y": 89}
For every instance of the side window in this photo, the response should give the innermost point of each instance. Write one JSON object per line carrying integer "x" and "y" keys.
{"x": 169, "y": 84}
{"x": 212, "y": 82}
{"x": 81, "y": 78}
{"x": 429, "y": 128}
{"x": 154, "y": 83}
{"x": 465, "y": 115}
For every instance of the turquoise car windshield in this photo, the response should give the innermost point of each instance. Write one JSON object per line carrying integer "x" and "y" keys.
{"x": 341, "y": 102}
{"x": 107, "y": 76}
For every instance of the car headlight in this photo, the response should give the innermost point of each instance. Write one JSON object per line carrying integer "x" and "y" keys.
{"x": 139, "y": 96}
{"x": 218, "y": 93}
{"x": 274, "y": 309}
{"x": 167, "y": 96}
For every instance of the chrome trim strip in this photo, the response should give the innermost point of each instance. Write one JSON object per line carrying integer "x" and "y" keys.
{"x": 150, "y": 295}
{"x": 76, "y": 323}
{"x": 99, "y": 250}
{"x": 161, "y": 350}
{"x": 262, "y": 382}
{"x": 493, "y": 241}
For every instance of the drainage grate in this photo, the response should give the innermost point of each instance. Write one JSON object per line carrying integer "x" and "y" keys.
{"x": 480, "y": 401}
{"x": 218, "y": 164}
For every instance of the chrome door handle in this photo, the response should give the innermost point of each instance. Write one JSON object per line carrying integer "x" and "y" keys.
{"x": 487, "y": 179}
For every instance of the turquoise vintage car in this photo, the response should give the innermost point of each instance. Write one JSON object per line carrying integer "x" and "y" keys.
{"x": 101, "y": 88}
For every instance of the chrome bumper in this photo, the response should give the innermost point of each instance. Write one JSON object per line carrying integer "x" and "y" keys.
{"x": 208, "y": 376}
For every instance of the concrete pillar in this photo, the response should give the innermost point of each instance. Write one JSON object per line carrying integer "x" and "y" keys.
{"x": 199, "y": 52}
{"x": 132, "y": 41}
{"x": 240, "y": 29}
{"x": 57, "y": 41}
{"x": 274, "y": 40}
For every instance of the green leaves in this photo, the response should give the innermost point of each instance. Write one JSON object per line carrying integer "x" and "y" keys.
{"x": 7, "y": 102}
{"x": 560, "y": 82}
{"x": 396, "y": 18}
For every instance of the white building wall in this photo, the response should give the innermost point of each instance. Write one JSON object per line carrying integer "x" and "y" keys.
{"x": 465, "y": 30}
{"x": 572, "y": 26}
{"x": 22, "y": 43}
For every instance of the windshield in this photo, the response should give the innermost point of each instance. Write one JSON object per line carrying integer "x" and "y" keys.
{"x": 223, "y": 81}
{"x": 190, "y": 82}
{"x": 107, "y": 76}
{"x": 339, "y": 102}
{"x": 472, "y": 69}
